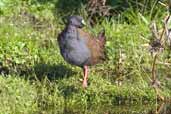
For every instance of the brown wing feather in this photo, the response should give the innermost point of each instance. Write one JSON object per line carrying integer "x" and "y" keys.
{"x": 96, "y": 47}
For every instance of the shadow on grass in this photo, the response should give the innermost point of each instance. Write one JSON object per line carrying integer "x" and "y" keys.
{"x": 56, "y": 72}
{"x": 53, "y": 72}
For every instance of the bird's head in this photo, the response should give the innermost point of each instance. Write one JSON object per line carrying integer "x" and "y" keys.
{"x": 76, "y": 21}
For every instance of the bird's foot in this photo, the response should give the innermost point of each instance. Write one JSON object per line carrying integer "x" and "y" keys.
{"x": 84, "y": 84}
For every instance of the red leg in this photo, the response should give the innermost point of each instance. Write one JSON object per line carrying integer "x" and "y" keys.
{"x": 85, "y": 69}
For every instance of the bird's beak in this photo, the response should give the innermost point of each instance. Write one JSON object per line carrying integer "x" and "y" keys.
{"x": 83, "y": 22}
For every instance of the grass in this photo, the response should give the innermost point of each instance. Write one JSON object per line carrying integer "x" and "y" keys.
{"x": 35, "y": 79}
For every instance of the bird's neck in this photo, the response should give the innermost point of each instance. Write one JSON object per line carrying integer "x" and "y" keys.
{"x": 71, "y": 28}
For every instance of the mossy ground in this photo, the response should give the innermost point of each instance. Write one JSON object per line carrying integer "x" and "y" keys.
{"x": 35, "y": 78}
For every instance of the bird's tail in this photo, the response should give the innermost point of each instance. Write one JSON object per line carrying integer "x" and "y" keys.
{"x": 102, "y": 37}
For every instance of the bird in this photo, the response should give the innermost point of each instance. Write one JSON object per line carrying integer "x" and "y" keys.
{"x": 80, "y": 48}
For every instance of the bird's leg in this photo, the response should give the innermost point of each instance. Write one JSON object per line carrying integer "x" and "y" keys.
{"x": 85, "y": 69}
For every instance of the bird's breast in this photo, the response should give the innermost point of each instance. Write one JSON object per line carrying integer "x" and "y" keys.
{"x": 75, "y": 51}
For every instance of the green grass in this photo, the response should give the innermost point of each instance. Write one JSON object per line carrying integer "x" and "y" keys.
{"x": 35, "y": 79}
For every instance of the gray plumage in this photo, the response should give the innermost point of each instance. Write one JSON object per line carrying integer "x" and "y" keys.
{"x": 80, "y": 48}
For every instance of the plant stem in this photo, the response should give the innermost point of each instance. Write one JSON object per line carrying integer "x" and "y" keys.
{"x": 154, "y": 67}
{"x": 156, "y": 55}
{"x": 163, "y": 31}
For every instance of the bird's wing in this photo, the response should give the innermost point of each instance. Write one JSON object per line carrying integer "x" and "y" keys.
{"x": 95, "y": 46}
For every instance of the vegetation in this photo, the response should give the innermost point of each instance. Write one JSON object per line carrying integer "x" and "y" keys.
{"x": 35, "y": 79}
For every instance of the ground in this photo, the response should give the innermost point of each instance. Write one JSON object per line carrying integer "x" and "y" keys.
{"x": 36, "y": 79}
